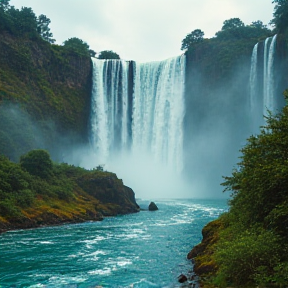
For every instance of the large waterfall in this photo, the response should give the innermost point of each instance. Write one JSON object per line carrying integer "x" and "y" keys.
{"x": 148, "y": 122}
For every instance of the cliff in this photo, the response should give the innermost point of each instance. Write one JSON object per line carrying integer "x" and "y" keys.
{"x": 61, "y": 193}
{"x": 50, "y": 84}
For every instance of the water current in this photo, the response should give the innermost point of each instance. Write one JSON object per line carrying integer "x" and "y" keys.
{"x": 146, "y": 249}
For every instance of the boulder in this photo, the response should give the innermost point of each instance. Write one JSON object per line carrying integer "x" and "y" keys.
{"x": 152, "y": 207}
{"x": 182, "y": 278}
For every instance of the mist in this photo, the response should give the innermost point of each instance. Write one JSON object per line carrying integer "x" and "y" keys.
{"x": 183, "y": 152}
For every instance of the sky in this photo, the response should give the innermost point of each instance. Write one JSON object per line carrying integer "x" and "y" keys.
{"x": 142, "y": 30}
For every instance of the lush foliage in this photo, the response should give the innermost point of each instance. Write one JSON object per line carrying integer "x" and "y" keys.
{"x": 232, "y": 30}
{"x": 78, "y": 46}
{"x": 43, "y": 28}
{"x": 37, "y": 163}
{"x": 252, "y": 246}
{"x": 280, "y": 19}
{"x": 38, "y": 191}
{"x": 108, "y": 54}
{"x": 46, "y": 81}
{"x": 232, "y": 24}
{"x": 194, "y": 37}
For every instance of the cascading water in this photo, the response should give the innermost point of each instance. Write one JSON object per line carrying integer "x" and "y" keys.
{"x": 269, "y": 101}
{"x": 253, "y": 78}
{"x": 157, "y": 110}
{"x": 109, "y": 106}
{"x": 262, "y": 90}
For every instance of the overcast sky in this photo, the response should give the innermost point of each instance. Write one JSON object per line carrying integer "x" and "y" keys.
{"x": 142, "y": 30}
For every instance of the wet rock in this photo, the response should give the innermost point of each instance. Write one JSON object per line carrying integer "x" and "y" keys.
{"x": 152, "y": 207}
{"x": 182, "y": 278}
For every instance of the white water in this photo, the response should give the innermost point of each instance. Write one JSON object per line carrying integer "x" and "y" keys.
{"x": 253, "y": 79}
{"x": 268, "y": 82}
{"x": 109, "y": 106}
{"x": 262, "y": 94}
{"x": 157, "y": 110}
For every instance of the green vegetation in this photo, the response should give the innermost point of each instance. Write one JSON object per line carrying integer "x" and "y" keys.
{"x": 108, "y": 54}
{"x": 38, "y": 191}
{"x": 232, "y": 30}
{"x": 44, "y": 88}
{"x": 43, "y": 28}
{"x": 247, "y": 246}
{"x": 194, "y": 37}
{"x": 280, "y": 19}
{"x": 78, "y": 46}
{"x": 252, "y": 245}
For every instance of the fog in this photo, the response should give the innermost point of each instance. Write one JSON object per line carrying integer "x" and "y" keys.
{"x": 217, "y": 124}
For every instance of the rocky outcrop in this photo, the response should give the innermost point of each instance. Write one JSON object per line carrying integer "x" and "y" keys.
{"x": 152, "y": 207}
{"x": 202, "y": 254}
{"x": 108, "y": 189}
{"x": 96, "y": 195}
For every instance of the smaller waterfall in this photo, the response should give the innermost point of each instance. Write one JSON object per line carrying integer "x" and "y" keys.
{"x": 262, "y": 82}
{"x": 268, "y": 82}
{"x": 253, "y": 78}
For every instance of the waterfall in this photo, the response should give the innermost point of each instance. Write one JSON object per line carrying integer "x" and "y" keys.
{"x": 269, "y": 101}
{"x": 157, "y": 110}
{"x": 269, "y": 97}
{"x": 262, "y": 84}
{"x": 109, "y": 106}
{"x": 253, "y": 78}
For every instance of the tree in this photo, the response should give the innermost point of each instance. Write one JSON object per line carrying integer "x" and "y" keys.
{"x": 280, "y": 19}
{"x": 232, "y": 24}
{"x": 258, "y": 24}
{"x": 195, "y": 36}
{"x": 43, "y": 28}
{"x": 37, "y": 162}
{"x": 108, "y": 54}
{"x": 23, "y": 22}
{"x": 78, "y": 46}
{"x": 92, "y": 53}
{"x": 4, "y": 5}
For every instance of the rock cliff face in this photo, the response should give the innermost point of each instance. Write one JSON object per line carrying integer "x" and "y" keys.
{"x": 49, "y": 82}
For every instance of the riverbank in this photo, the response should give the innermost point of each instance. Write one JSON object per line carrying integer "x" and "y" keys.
{"x": 47, "y": 193}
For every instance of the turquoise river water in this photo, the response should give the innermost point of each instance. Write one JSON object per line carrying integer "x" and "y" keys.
{"x": 146, "y": 249}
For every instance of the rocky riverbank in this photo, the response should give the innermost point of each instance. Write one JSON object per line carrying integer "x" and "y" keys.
{"x": 201, "y": 254}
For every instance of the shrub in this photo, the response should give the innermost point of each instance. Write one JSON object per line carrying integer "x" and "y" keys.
{"x": 37, "y": 163}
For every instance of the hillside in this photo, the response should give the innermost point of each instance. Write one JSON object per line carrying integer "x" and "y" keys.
{"x": 39, "y": 192}
{"x": 48, "y": 87}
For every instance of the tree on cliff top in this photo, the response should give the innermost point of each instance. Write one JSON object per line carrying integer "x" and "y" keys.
{"x": 78, "y": 46}
{"x": 232, "y": 24}
{"x": 108, "y": 54}
{"x": 280, "y": 19}
{"x": 194, "y": 37}
{"x": 4, "y": 5}
{"x": 43, "y": 28}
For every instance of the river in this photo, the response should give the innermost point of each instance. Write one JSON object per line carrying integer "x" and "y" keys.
{"x": 146, "y": 249}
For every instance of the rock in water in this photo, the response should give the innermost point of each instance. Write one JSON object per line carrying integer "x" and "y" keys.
{"x": 182, "y": 278}
{"x": 152, "y": 207}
